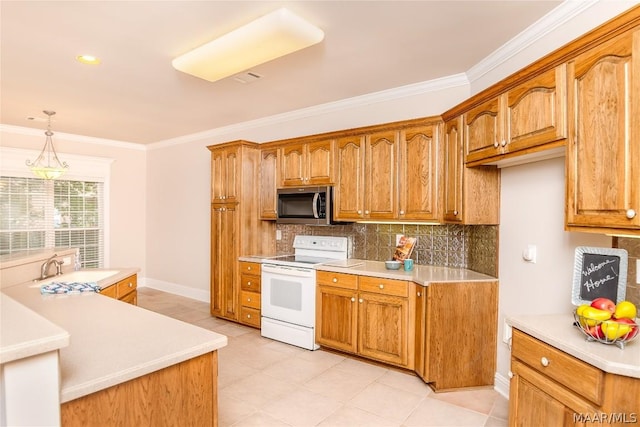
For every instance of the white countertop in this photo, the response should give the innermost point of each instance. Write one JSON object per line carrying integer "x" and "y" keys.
{"x": 421, "y": 274}
{"x": 110, "y": 341}
{"x": 558, "y": 331}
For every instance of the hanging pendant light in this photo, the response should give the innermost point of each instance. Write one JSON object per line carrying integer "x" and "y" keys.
{"x": 48, "y": 165}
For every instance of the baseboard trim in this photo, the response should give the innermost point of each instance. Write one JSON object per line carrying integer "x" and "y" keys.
{"x": 501, "y": 385}
{"x": 174, "y": 288}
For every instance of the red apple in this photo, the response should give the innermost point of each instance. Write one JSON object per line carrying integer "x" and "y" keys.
{"x": 604, "y": 304}
{"x": 596, "y": 332}
{"x": 634, "y": 329}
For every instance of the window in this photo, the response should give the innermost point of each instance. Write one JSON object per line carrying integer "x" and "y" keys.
{"x": 37, "y": 213}
{"x": 68, "y": 212}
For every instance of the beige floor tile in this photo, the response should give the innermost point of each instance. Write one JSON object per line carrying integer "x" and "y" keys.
{"x": 360, "y": 368}
{"x": 348, "y": 416}
{"x": 295, "y": 369}
{"x": 386, "y": 401}
{"x": 432, "y": 412}
{"x": 232, "y": 371}
{"x": 406, "y": 381}
{"x": 496, "y": 422}
{"x": 301, "y": 408}
{"x": 258, "y": 389}
{"x": 480, "y": 400}
{"x": 231, "y": 410}
{"x": 500, "y": 408}
{"x": 338, "y": 384}
{"x": 259, "y": 419}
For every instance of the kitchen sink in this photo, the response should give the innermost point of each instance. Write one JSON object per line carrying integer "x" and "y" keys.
{"x": 82, "y": 276}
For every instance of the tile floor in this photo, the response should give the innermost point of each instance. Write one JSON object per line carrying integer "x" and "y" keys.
{"x": 268, "y": 383}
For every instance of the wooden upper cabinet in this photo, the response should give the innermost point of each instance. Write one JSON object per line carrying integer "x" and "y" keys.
{"x": 419, "y": 172}
{"x": 603, "y": 151}
{"x": 471, "y": 194}
{"x": 308, "y": 163}
{"x": 453, "y": 170}
{"x": 348, "y": 195}
{"x": 381, "y": 168}
{"x": 268, "y": 183}
{"x": 529, "y": 117}
{"x": 224, "y": 174}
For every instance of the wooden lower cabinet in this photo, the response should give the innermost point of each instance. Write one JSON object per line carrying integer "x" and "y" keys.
{"x": 552, "y": 388}
{"x": 250, "y": 296}
{"x": 365, "y": 316}
{"x": 125, "y": 290}
{"x": 184, "y": 394}
{"x": 455, "y": 334}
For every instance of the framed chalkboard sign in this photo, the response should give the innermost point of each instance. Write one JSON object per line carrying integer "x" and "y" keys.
{"x": 599, "y": 272}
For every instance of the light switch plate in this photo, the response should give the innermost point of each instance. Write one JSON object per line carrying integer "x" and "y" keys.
{"x": 638, "y": 271}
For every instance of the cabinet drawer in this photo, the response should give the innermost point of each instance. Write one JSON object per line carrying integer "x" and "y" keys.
{"x": 250, "y": 299}
{"x": 249, "y": 282}
{"x": 250, "y": 268}
{"x": 337, "y": 280}
{"x": 250, "y": 316}
{"x": 131, "y": 298}
{"x": 127, "y": 285}
{"x": 378, "y": 285}
{"x": 584, "y": 379}
{"x": 111, "y": 291}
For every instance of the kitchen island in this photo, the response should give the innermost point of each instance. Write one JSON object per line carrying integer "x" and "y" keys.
{"x": 127, "y": 365}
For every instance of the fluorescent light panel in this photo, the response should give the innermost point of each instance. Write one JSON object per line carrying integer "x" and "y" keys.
{"x": 276, "y": 34}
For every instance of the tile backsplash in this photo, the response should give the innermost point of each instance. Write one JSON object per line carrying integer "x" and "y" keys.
{"x": 466, "y": 246}
{"x": 632, "y": 246}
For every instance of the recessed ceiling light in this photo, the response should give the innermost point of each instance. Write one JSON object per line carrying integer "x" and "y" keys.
{"x": 88, "y": 59}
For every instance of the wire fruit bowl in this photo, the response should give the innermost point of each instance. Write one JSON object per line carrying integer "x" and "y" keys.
{"x": 607, "y": 331}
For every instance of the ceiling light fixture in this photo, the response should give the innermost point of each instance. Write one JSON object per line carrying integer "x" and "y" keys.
{"x": 271, "y": 36}
{"x": 88, "y": 59}
{"x": 48, "y": 165}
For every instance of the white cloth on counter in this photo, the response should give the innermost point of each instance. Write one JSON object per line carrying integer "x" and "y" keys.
{"x": 69, "y": 287}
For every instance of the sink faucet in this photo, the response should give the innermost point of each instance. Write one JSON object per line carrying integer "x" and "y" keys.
{"x": 44, "y": 269}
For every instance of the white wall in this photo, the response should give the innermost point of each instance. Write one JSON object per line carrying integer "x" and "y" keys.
{"x": 127, "y": 210}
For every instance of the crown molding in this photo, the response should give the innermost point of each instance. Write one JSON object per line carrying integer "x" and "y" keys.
{"x": 566, "y": 11}
{"x": 421, "y": 88}
{"x": 20, "y": 130}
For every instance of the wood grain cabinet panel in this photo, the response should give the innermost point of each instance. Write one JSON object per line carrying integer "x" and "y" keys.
{"x": 381, "y": 171}
{"x": 420, "y": 168}
{"x": 349, "y": 190}
{"x": 224, "y": 175}
{"x": 549, "y": 387}
{"x": 125, "y": 290}
{"x": 336, "y": 318}
{"x": 250, "y": 296}
{"x": 268, "y": 184}
{"x": 603, "y": 153}
{"x": 307, "y": 163}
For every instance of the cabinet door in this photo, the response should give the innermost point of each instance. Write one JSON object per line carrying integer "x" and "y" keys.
{"x": 217, "y": 257}
{"x": 349, "y": 191}
{"x": 218, "y": 176}
{"x": 453, "y": 170}
{"x": 292, "y": 166}
{"x": 224, "y": 297}
{"x": 232, "y": 174}
{"x": 336, "y": 319}
{"x": 383, "y": 328}
{"x": 535, "y": 400}
{"x": 483, "y": 131}
{"x": 319, "y": 163}
{"x": 268, "y": 183}
{"x": 536, "y": 111}
{"x": 603, "y": 152}
{"x": 421, "y": 333}
{"x": 419, "y": 174}
{"x": 381, "y": 185}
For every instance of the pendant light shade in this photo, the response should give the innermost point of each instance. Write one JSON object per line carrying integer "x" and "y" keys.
{"x": 269, "y": 37}
{"x": 47, "y": 165}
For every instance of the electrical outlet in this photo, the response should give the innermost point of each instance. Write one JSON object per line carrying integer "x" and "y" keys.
{"x": 278, "y": 234}
{"x": 66, "y": 260}
{"x": 638, "y": 271}
{"x": 506, "y": 333}
{"x": 398, "y": 237}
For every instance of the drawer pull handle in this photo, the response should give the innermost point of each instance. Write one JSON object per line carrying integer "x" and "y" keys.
{"x": 419, "y": 294}
{"x": 544, "y": 361}
{"x": 248, "y": 283}
{"x": 131, "y": 285}
{"x": 381, "y": 286}
{"x": 353, "y": 299}
{"x": 249, "y": 268}
{"x": 631, "y": 213}
{"x": 510, "y": 374}
{"x": 248, "y": 316}
{"x": 360, "y": 300}
{"x": 248, "y": 299}
{"x": 335, "y": 280}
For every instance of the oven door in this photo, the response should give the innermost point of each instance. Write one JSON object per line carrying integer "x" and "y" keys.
{"x": 288, "y": 294}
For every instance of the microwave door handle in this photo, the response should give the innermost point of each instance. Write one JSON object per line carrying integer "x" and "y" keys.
{"x": 315, "y": 205}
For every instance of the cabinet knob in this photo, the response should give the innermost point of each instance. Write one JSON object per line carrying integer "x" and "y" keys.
{"x": 381, "y": 286}
{"x": 353, "y": 299}
{"x": 249, "y": 268}
{"x": 360, "y": 300}
{"x": 248, "y": 299}
{"x": 401, "y": 212}
{"x": 455, "y": 213}
{"x": 631, "y": 213}
{"x": 510, "y": 374}
{"x": 335, "y": 280}
{"x": 419, "y": 293}
{"x": 359, "y": 212}
{"x": 131, "y": 285}
{"x": 495, "y": 144}
{"x": 248, "y": 283}
{"x": 503, "y": 143}
{"x": 544, "y": 361}
{"x": 366, "y": 212}
{"x": 248, "y": 316}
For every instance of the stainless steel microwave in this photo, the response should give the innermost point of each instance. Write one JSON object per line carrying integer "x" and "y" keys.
{"x": 305, "y": 205}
